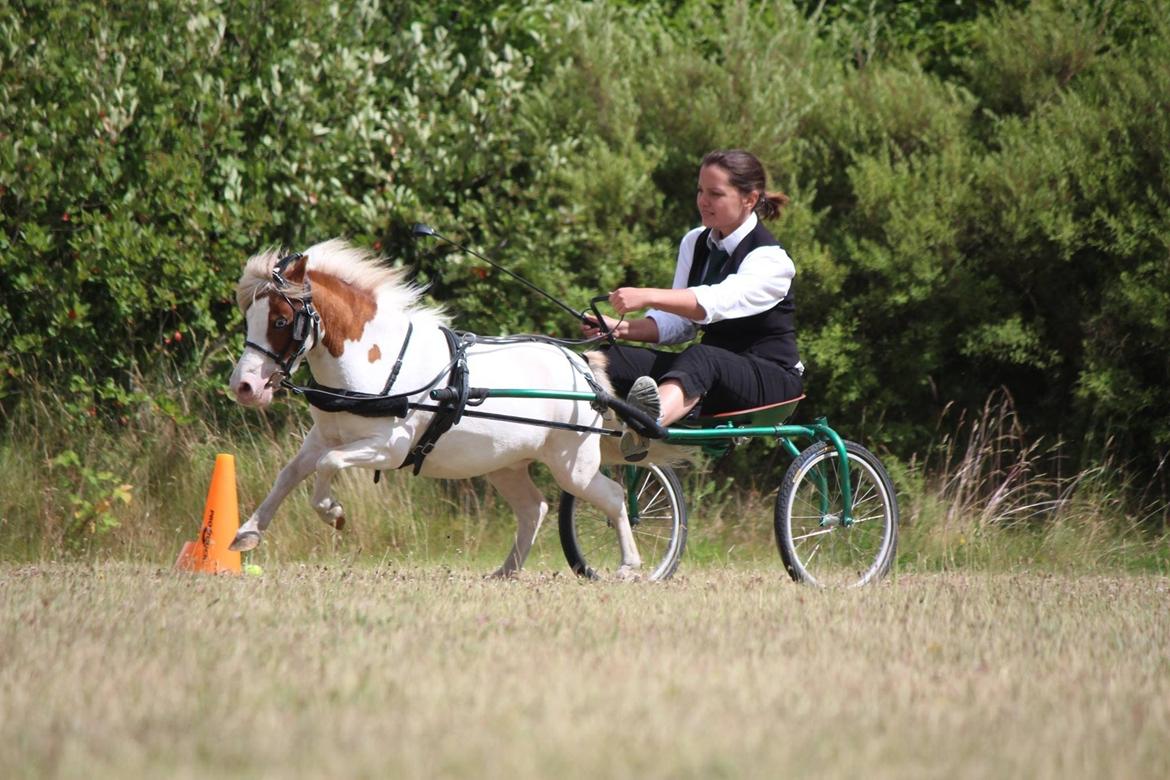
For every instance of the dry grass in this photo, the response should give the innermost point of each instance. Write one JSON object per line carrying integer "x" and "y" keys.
{"x": 114, "y": 670}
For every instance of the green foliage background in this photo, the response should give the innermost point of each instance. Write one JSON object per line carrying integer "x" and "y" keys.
{"x": 981, "y": 191}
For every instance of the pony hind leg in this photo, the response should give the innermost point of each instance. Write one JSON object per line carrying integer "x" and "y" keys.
{"x": 517, "y": 488}
{"x": 608, "y": 496}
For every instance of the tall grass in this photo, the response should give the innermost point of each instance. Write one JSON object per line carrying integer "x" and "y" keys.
{"x": 53, "y": 507}
{"x": 986, "y": 497}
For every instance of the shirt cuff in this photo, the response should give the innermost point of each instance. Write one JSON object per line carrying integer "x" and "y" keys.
{"x": 705, "y": 297}
{"x": 672, "y": 329}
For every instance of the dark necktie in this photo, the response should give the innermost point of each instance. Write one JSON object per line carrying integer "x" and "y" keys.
{"x": 715, "y": 272}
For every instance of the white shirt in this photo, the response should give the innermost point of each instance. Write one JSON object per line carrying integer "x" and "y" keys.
{"x": 763, "y": 279}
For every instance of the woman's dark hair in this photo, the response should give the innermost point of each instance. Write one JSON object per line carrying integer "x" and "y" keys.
{"x": 746, "y": 174}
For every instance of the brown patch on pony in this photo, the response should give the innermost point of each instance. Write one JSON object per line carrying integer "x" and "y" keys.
{"x": 346, "y": 308}
{"x": 375, "y": 354}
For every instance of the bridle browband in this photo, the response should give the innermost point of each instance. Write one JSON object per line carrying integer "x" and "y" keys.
{"x": 306, "y": 321}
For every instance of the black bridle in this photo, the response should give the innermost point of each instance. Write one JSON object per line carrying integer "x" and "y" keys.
{"x": 306, "y": 321}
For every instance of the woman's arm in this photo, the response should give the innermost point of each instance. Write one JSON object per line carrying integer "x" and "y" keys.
{"x": 627, "y": 299}
{"x": 676, "y": 301}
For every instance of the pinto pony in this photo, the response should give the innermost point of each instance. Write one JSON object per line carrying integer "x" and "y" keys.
{"x": 364, "y": 330}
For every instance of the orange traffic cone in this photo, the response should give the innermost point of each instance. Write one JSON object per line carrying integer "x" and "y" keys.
{"x": 221, "y": 520}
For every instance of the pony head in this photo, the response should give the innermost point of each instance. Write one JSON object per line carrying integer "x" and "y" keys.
{"x": 287, "y": 314}
{"x": 280, "y": 322}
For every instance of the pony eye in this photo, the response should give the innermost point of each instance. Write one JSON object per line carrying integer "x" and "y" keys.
{"x": 280, "y": 322}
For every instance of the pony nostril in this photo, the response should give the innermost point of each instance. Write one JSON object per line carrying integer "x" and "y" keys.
{"x": 244, "y": 389}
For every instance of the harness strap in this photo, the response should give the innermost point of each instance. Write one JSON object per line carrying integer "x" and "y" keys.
{"x": 393, "y": 376}
{"x": 451, "y": 404}
{"x": 332, "y": 399}
{"x": 398, "y": 362}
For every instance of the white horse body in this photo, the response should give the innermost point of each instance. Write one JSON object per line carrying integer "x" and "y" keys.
{"x": 365, "y": 311}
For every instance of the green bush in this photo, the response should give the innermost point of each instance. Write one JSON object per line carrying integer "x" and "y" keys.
{"x": 149, "y": 148}
{"x": 979, "y": 190}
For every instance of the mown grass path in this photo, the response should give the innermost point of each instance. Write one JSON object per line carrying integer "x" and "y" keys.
{"x": 112, "y": 670}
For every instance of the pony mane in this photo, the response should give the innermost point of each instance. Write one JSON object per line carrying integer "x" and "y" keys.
{"x": 337, "y": 257}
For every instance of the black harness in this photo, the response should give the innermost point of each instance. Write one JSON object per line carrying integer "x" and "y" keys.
{"x": 332, "y": 399}
{"x": 451, "y": 401}
{"x": 447, "y": 413}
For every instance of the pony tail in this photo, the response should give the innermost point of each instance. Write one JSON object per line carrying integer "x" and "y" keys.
{"x": 771, "y": 204}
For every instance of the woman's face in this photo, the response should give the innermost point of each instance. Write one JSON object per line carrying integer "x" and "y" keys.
{"x": 722, "y": 207}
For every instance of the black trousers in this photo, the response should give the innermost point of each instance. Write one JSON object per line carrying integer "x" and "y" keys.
{"x": 727, "y": 381}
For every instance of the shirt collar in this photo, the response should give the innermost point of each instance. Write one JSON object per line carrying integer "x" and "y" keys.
{"x": 729, "y": 243}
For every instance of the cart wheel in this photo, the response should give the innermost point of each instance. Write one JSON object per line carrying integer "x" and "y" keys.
{"x": 816, "y": 544}
{"x": 658, "y": 518}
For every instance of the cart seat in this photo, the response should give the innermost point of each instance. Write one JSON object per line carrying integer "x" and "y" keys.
{"x": 771, "y": 414}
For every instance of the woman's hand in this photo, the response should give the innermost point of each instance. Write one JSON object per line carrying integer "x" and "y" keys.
{"x": 627, "y": 299}
{"x": 618, "y": 328}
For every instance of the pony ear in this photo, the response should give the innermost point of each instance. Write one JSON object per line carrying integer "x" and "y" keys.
{"x": 296, "y": 270}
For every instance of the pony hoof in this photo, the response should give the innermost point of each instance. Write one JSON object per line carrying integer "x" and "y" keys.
{"x": 331, "y": 513}
{"x": 244, "y": 541}
{"x": 335, "y": 517}
{"x": 627, "y": 574}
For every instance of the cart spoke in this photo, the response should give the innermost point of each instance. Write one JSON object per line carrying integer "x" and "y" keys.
{"x": 821, "y": 532}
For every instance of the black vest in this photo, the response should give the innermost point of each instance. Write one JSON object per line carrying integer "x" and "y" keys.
{"x": 771, "y": 334}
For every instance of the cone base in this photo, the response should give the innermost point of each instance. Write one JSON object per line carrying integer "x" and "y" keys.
{"x": 194, "y": 557}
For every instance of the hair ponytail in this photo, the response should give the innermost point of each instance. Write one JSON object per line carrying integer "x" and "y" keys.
{"x": 771, "y": 204}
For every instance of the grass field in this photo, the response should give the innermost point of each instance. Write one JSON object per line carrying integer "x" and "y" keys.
{"x": 119, "y": 670}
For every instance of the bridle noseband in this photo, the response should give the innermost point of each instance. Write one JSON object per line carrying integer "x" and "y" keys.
{"x": 306, "y": 321}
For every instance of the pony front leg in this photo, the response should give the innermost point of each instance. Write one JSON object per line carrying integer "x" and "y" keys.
{"x": 371, "y": 453}
{"x": 300, "y": 467}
